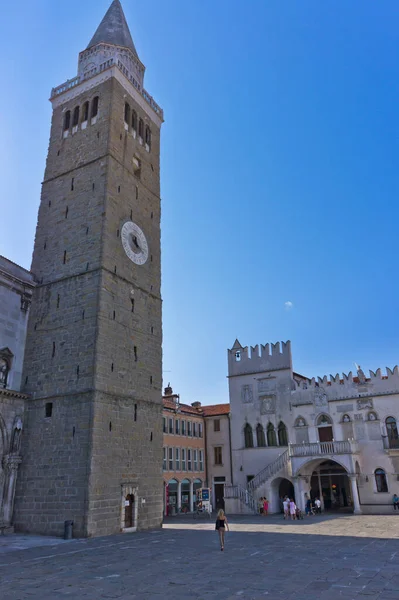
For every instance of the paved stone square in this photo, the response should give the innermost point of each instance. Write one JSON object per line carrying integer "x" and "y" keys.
{"x": 321, "y": 558}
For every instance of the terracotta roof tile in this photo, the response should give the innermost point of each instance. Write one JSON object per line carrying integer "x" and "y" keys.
{"x": 216, "y": 409}
{"x": 183, "y": 408}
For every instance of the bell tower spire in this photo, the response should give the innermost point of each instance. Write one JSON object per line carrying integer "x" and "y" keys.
{"x": 112, "y": 43}
{"x": 114, "y": 29}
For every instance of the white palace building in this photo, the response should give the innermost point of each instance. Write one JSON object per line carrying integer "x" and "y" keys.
{"x": 335, "y": 438}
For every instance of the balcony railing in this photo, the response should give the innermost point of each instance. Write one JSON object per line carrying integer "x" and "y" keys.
{"x": 71, "y": 83}
{"x": 241, "y": 494}
{"x": 322, "y": 448}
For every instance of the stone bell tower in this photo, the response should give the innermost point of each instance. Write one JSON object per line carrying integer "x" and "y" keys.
{"x": 92, "y": 442}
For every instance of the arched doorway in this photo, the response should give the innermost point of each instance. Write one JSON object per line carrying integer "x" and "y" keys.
{"x": 197, "y": 484}
{"x": 129, "y": 511}
{"x": 172, "y": 496}
{"x": 185, "y": 495}
{"x": 279, "y": 489}
{"x": 330, "y": 483}
{"x": 286, "y": 488}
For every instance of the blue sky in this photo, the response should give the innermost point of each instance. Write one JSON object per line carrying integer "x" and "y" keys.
{"x": 279, "y": 170}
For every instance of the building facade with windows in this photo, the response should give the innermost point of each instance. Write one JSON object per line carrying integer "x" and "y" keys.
{"x": 218, "y": 453}
{"x": 332, "y": 437}
{"x": 183, "y": 464}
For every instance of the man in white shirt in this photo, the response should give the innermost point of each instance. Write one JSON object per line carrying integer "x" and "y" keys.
{"x": 318, "y": 505}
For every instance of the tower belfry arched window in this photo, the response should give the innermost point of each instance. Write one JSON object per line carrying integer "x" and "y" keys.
{"x": 148, "y": 137}
{"x": 134, "y": 120}
{"x": 67, "y": 120}
{"x": 94, "y": 107}
{"x": 75, "y": 121}
{"x": 85, "y": 112}
{"x": 127, "y": 113}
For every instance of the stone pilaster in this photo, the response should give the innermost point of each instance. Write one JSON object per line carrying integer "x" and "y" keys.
{"x": 11, "y": 463}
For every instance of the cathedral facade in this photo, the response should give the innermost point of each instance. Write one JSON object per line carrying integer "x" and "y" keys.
{"x": 92, "y": 439}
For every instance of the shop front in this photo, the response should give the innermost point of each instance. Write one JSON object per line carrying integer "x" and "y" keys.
{"x": 171, "y": 497}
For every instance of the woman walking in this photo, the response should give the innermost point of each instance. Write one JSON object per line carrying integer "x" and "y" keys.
{"x": 265, "y": 506}
{"x": 292, "y": 509}
{"x": 221, "y": 526}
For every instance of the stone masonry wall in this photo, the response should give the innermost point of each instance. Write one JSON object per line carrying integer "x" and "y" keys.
{"x": 127, "y": 442}
{"x": 52, "y": 482}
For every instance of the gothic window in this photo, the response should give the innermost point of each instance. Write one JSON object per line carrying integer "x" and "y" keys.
{"x": 324, "y": 420}
{"x": 260, "y": 436}
{"x": 127, "y": 113}
{"x": 271, "y": 435}
{"x": 67, "y": 120}
{"x": 141, "y": 128}
{"x": 134, "y": 120}
{"x": 75, "y": 117}
{"x": 392, "y": 432}
{"x": 148, "y": 136}
{"x": 381, "y": 480}
{"x": 94, "y": 107}
{"x": 282, "y": 435}
{"x": 248, "y": 436}
{"x": 4, "y": 370}
{"x": 85, "y": 111}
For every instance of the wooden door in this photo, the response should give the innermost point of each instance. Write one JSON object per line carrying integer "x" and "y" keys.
{"x": 129, "y": 511}
{"x": 219, "y": 495}
{"x": 325, "y": 434}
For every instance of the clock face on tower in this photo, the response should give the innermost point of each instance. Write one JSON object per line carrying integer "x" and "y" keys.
{"x": 134, "y": 243}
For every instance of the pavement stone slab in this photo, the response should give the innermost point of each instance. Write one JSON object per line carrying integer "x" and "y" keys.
{"x": 323, "y": 558}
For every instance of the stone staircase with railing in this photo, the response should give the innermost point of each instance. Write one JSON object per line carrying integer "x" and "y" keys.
{"x": 294, "y": 451}
{"x": 246, "y": 496}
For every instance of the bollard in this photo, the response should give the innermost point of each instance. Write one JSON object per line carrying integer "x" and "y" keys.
{"x": 68, "y": 530}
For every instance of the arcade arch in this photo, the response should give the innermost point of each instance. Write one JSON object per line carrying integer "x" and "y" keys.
{"x": 280, "y": 488}
{"x": 329, "y": 480}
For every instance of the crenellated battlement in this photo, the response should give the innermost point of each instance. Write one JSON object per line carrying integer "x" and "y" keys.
{"x": 259, "y": 358}
{"x": 347, "y": 385}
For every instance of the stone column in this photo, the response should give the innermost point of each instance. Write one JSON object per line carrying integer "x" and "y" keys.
{"x": 321, "y": 498}
{"x": 298, "y": 493}
{"x": 178, "y": 496}
{"x": 355, "y": 496}
{"x": 10, "y": 465}
{"x": 191, "y": 495}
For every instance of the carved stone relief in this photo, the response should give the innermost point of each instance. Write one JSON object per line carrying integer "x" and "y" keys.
{"x": 247, "y": 394}
{"x": 267, "y": 405}
{"x": 320, "y": 397}
{"x": 363, "y": 403}
{"x": 358, "y": 417}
